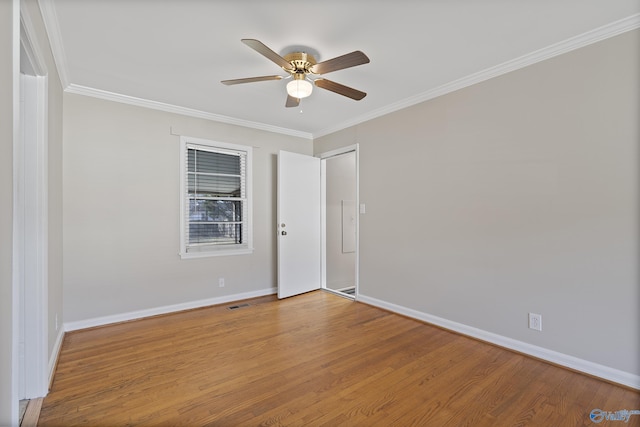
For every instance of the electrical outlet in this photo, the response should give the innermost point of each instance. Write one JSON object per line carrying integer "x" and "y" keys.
{"x": 535, "y": 321}
{"x": 221, "y": 282}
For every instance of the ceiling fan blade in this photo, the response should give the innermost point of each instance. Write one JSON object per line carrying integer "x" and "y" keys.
{"x": 341, "y": 62}
{"x": 340, "y": 89}
{"x": 263, "y": 50}
{"x": 250, "y": 80}
{"x": 292, "y": 102}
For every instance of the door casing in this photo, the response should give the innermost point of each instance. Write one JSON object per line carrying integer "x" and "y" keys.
{"x": 323, "y": 195}
{"x": 30, "y": 213}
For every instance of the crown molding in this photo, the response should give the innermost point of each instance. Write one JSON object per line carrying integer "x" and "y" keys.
{"x": 169, "y": 108}
{"x": 598, "y": 34}
{"x": 601, "y": 33}
{"x": 52, "y": 28}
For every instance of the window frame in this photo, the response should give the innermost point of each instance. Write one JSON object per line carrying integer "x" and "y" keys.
{"x": 214, "y": 250}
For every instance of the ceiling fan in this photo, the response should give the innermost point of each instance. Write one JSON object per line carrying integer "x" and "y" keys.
{"x": 300, "y": 65}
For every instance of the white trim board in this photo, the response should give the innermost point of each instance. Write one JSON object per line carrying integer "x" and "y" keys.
{"x": 55, "y": 354}
{"x": 176, "y": 109}
{"x": 30, "y": 208}
{"x": 585, "y": 366}
{"x": 606, "y": 31}
{"x": 50, "y": 19}
{"x": 140, "y": 314}
{"x": 15, "y": 290}
{"x": 598, "y": 34}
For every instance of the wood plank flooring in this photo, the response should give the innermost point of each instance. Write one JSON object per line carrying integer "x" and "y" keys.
{"x": 311, "y": 360}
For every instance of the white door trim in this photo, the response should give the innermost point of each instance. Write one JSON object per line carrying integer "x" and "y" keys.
{"x": 323, "y": 209}
{"x": 30, "y": 264}
{"x": 15, "y": 295}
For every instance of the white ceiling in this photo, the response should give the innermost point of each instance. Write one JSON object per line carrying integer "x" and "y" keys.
{"x": 172, "y": 54}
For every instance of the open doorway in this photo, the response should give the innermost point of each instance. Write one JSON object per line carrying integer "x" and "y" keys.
{"x": 340, "y": 214}
{"x": 318, "y": 233}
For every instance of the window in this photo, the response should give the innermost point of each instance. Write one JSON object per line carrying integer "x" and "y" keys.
{"x": 215, "y": 207}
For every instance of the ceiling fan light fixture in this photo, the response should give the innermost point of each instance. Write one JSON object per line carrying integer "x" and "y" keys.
{"x": 299, "y": 88}
{"x": 299, "y": 65}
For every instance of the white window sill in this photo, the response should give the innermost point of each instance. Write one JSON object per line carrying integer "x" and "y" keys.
{"x": 214, "y": 253}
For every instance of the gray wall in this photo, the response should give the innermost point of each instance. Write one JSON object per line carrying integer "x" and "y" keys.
{"x": 6, "y": 209}
{"x": 519, "y": 194}
{"x": 340, "y": 185}
{"x": 121, "y": 210}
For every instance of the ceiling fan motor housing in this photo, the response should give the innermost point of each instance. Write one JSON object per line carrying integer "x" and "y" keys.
{"x": 301, "y": 62}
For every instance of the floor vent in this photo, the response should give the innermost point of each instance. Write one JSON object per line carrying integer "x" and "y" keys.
{"x": 235, "y": 307}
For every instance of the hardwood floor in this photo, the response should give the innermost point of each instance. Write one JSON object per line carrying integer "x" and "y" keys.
{"x": 314, "y": 360}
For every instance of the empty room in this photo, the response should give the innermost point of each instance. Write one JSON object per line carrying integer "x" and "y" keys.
{"x": 370, "y": 213}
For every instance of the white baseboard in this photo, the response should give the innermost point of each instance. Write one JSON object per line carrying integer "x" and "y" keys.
{"x": 55, "y": 353}
{"x": 591, "y": 368}
{"x": 133, "y": 315}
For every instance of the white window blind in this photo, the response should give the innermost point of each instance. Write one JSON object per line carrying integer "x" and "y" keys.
{"x": 216, "y": 198}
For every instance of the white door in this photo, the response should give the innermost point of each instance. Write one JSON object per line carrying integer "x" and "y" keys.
{"x": 299, "y": 224}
